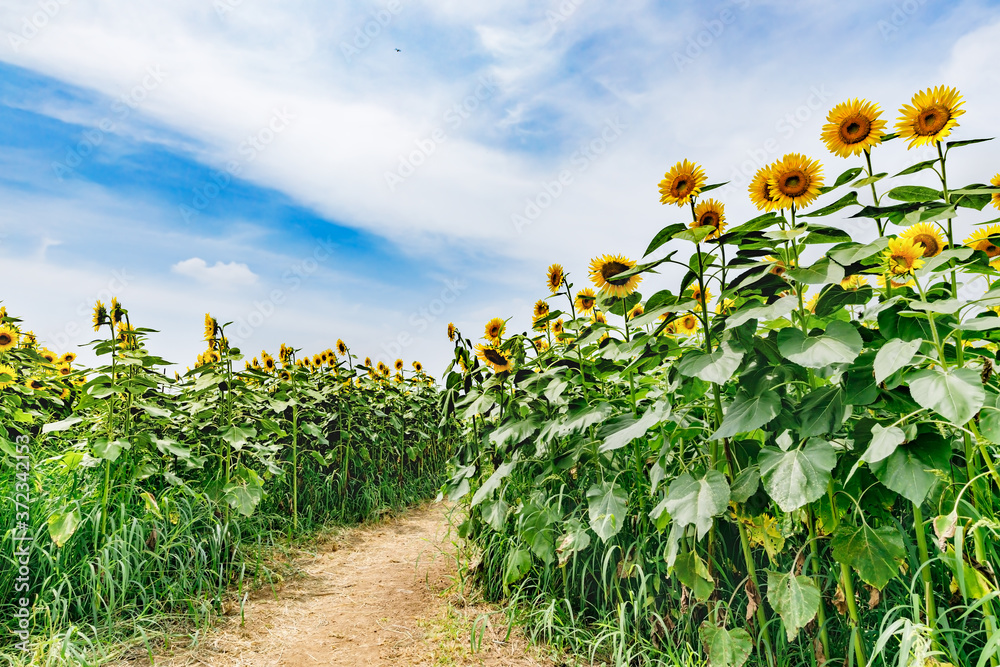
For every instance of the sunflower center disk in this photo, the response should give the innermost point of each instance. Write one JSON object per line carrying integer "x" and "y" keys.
{"x": 680, "y": 188}
{"x": 612, "y": 269}
{"x": 929, "y": 242}
{"x": 932, "y": 120}
{"x": 855, "y": 129}
{"x": 794, "y": 184}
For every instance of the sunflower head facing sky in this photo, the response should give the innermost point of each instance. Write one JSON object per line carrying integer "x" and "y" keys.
{"x": 852, "y": 127}
{"x": 930, "y": 116}
{"x": 697, "y": 295}
{"x": 604, "y": 269}
{"x": 760, "y": 190}
{"x": 710, "y": 213}
{"x": 555, "y": 277}
{"x": 927, "y": 235}
{"x": 418, "y": 367}
{"x": 980, "y": 240}
{"x": 683, "y": 182}
{"x": 67, "y": 357}
{"x": 585, "y": 301}
{"x": 452, "y": 331}
{"x": 494, "y": 357}
{"x": 8, "y": 337}
{"x": 795, "y": 180}
{"x": 903, "y": 257}
{"x": 494, "y": 329}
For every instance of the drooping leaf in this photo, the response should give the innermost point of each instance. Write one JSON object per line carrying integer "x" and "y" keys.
{"x": 63, "y": 525}
{"x": 495, "y": 513}
{"x": 908, "y": 470}
{"x": 823, "y": 271}
{"x": 693, "y": 573}
{"x": 493, "y": 483}
{"x": 989, "y": 418}
{"x": 875, "y": 553}
{"x": 695, "y": 502}
{"x": 518, "y": 565}
{"x": 779, "y": 308}
{"x": 745, "y": 484}
{"x": 606, "y": 507}
{"x": 893, "y": 356}
{"x": 884, "y": 443}
{"x": 797, "y": 477}
{"x": 955, "y": 394}
{"x": 821, "y": 411}
{"x": 794, "y": 598}
{"x": 62, "y": 425}
{"x": 574, "y": 538}
{"x": 726, "y": 648}
{"x": 716, "y": 367}
{"x": 839, "y": 344}
{"x": 538, "y": 526}
{"x": 632, "y": 428}
{"x": 748, "y": 413}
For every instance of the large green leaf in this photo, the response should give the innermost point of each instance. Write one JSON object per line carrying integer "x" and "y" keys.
{"x": 747, "y": 413}
{"x": 693, "y": 573}
{"x": 955, "y": 394}
{"x": 574, "y": 538}
{"x": 822, "y": 411}
{"x": 773, "y": 311}
{"x": 606, "y": 506}
{"x": 884, "y": 443}
{"x": 518, "y": 565}
{"x": 726, "y": 648}
{"x": 716, "y": 367}
{"x": 795, "y": 598}
{"x": 538, "y": 526}
{"x": 63, "y": 525}
{"x": 840, "y": 344}
{"x": 908, "y": 470}
{"x": 745, "y": 484}
{"x": 629, "y": 429}
{"x": 493, "y": 483}
{"x": 495, "y": 513}
{"x": 876, "y": 553}
{"x": 893, "y": 356}
{"x": 695, "y": 502}
{"x": 821, "y": 272}
{"x": 989, "y": 418}
{"x": 797, "y": 477}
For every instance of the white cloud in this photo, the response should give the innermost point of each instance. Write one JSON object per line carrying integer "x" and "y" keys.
{"x": 221, "y": 275}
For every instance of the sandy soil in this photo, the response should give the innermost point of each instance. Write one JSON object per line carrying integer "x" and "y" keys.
{"x": 378, "y": 595}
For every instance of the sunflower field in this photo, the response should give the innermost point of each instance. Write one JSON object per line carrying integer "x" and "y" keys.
{"x": 788, "y": 458}
{"x": 134, "y": 498}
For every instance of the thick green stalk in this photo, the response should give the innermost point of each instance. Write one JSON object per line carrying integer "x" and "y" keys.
{"x": 814, "y": 546}
{"x": 930, "y": 610}
{"x": 295, "y": 468}
{"x": 852, "y": 610}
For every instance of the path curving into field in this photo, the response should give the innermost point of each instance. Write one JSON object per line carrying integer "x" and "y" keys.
{"x": 378, "y": 595}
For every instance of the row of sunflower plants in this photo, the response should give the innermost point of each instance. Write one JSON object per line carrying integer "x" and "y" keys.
{"x": 786, "y": 459}
{"x": 143, "y": 495}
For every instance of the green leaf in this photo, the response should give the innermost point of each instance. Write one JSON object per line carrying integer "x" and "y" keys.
{"x": 989, "y": 418}
{"x": 920, "y": 166}
{"x": 840, "y": 344}
{"x": 575, "y": 538}
{"x": 894, "y": 355}
{"x": 109, "y": 450}
{"x": 745, "y": 484}
{"x": 716, "y": 367}
{"x": 821, "y": 411}
{"x": 663, "y": 236}
{"x": 62, "y": 526}
{"x": 495, "y": 513}
{"x": 797, "y": 477}
{"x": 493, "y": 483}
{"x": 965, "y": 142}
{"x": 868, "y": 180}
{"x": 518, "y": 565}
{"x": 821, "y": 272}
{"x": 794, "y": 598}
{"x": 237, "y": 436}
{"x": 630, "y": 429}
{"x": 696, "y": 235}
{"x": 695, "y": 502}
{"x": 726, "y": 648}
{"x": 764, "y": 313}
{"x": 748, "y": 413}
{"x": 875, "y": 553}
{"x": 884, "y": 443}
{"x": 909, "y": 469}
{"x": 55, "y": 427}
{"x": 850, "y": 199}
{"x": 955, "y": 394}
{"x": 606, "y": 506}
{"x": 914, "y": 193}
{"x": 538, "y": 520}
{"x": 857, "y": 252}
{"x": 834, "y": 298}
{"x": 693, "y": 573}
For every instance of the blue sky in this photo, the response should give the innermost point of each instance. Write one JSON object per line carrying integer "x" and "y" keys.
{"x": 273, "y": 164}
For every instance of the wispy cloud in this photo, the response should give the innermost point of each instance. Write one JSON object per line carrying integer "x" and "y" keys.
{"x": 222, "y": 275}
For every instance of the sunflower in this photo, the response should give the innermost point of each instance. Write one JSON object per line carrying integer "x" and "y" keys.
{"x": 852, "y": 127}
{"x": 896, "y": 283}
{"x": 795, "y": 180}
{"x": 811, "y": 305}
{"x": 555, "y": 278}
{"x": 34, "y": 384}
{"x": 495, "y": 329}
{"x": 418, "y": 367}
{"x": 540, "y": 343}
{"x": 382, "y": 368}
{"x": 684, "y": 181}
{"x": 778, "y": 267}
{"x": 331, "y": 358}
{"x": 928, "y": 236}
{"x": 211, "y": 326}
{"x": 696, "y": 293}
{"x": 604, "y": 269}
{"x": 857, "y": 281}
{"x": 996, "y": 195}
{"x": 8, "y": 337}
{"x": 268, "y": 363}
{"x": 7, "y": 376}
{"x": 725, "y": 306}
{"x": 64, "y": 394}
{"x": 452, "y": 331}
{"x": 710, "y": 213}
{"x": 980, "y": 240}
{"x": 541, "y": 308}
{"x": 67, "y": 358}
{"x": 317, "y": 360}
{"x": 399, "y": 364}
{"x": 598, "y": 317}
{"x": 760, "y": 190}
{"x": 637, "y": 311}
{"x": 903, "y": 257}
{"x": 324, "y": 356}
{"x": 930, "y": 116}
{"x": 687, "y": 325}
{"x": 494, "y": 357}
{"x": 211, "y": 356}
{"x": 368, "y": 362}
{"x": 28, "y": 339}
{"x": 64, "y": 369}
{"x": 557, "y": 326}
{"x": 126, "y": 335}
{"x": 100, "y": 315}
{"x": 116, "y": 312}
{"x": 584, "y": 302}
{"x": 285, "y": 375}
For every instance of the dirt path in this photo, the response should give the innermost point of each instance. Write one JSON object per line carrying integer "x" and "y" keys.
{"x": 379, "y": 595}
